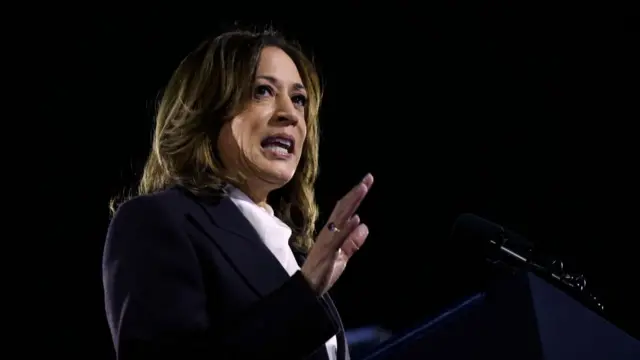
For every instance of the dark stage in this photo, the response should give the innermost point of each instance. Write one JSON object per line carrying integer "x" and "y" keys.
{"x": 521, "y": 115}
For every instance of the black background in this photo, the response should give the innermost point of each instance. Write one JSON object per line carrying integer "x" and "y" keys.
{"x": 523, "y": 115}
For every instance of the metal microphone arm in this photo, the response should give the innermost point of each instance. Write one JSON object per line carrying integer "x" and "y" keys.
{"x": 551, "y": 267}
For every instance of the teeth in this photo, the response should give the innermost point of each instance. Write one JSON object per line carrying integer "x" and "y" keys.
{"x": 284, "y": 142}
{"x": 277, "y": 149}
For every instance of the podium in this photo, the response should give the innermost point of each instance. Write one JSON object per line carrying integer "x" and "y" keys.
{"x": 521, "y": 317}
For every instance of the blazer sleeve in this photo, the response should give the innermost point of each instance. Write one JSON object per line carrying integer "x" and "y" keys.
{"x": 157, "y": 308}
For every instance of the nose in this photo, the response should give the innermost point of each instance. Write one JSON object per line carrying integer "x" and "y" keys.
{"x": 286, "y": 112}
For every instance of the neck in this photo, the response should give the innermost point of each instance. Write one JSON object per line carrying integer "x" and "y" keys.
{"x": 259, "y": 197}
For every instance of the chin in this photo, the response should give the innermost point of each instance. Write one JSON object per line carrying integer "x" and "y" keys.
{"x": 278, "y": 171}
{"x": 275, "y": 173}
{"x": 279, "y": 177}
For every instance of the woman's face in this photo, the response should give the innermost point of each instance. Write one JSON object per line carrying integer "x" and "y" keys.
{"x": 264, "y": 141}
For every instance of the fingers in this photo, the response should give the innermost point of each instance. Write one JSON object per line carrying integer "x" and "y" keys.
{"x": 345, "y": 221}
{"x": 352, "y": 237}
{"x": 351, "y": 224}
{"x": 354, "y": 241}
{"x": 368, "y": 180}
{"x": 366, "y": 184}
{"x": 347, "y": 206}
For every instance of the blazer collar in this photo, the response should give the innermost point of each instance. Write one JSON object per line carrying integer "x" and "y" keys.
{"x": 237, "y": 238}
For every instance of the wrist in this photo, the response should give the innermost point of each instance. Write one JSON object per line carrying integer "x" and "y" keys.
{"x": 313, "y": 284}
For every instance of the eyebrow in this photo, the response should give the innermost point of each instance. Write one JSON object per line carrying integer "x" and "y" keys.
{"x": 296, "y": 86}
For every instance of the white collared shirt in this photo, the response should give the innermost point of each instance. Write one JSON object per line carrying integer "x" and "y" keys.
{"x": 275, "y": 234}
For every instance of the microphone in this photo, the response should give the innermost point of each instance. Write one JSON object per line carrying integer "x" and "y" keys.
{"x": 501, "y": 246}
{"x": 498, "y": 244}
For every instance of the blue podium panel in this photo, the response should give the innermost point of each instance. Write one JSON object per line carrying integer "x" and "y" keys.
{"x": 456, "y": 334}
{"x": 521, "y": 317}
{"x": 568, "y": 330}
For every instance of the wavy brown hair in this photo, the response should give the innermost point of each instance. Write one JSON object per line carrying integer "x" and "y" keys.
{"x": 209, "y": 87}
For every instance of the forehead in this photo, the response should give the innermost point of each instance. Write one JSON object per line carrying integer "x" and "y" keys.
{"x": 274, "y": 62}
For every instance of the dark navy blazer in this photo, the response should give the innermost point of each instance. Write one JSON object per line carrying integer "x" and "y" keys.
{"x": 188, "y": 277}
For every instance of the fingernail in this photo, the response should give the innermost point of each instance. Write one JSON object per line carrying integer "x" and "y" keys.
{"x": 364, "y": 231}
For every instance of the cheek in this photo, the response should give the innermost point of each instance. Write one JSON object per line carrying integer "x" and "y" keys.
{"x": 226, "y": 145}
{"x": 248, "y": 129}
{"x": 303, "y": 136}
{"x": 240, "y": 133}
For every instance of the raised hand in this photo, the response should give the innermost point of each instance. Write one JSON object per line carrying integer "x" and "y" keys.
{"x": 343, "y": 235}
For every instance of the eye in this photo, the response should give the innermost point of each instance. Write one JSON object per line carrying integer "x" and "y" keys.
{"x": 262, "y": 90}
{"x": 299, "y": 100}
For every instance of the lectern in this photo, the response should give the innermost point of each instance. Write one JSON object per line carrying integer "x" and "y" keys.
{"x": 520, "y": 317}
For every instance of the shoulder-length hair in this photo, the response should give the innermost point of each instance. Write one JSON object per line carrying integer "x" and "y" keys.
{"x": 209, "y": 87}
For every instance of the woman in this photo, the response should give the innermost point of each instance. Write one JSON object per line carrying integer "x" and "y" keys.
{"x": 199, "y": 265}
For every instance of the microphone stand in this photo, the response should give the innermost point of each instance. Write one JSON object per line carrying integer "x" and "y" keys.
{"x": 549, "y": 268}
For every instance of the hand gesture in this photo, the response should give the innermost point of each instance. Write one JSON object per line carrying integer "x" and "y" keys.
{"x": 338, "y": 240}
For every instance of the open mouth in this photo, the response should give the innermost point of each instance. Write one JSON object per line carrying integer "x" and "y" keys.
{"x": 279, "y": 144}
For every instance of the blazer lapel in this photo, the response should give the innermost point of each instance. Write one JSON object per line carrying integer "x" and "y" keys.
{"x": 237, "y": 238}
{"x": 343, "y": 348}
